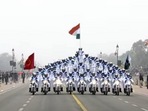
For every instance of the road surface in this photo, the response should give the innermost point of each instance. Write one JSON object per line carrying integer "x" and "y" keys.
{"x": 19, "y": 99}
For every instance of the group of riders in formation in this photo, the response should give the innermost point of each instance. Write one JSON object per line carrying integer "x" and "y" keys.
{"x": 81, "y": 73}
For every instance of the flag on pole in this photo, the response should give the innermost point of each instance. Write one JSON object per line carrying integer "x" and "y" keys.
{"x": 75, "y": 31}
{"x": 29, "y": 63}
{"x": 127, "y": 62}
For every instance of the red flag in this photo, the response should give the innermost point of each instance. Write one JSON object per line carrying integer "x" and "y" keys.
{"x": 29, "y": 63}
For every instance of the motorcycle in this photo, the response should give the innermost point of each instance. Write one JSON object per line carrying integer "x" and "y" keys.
{"x": 116, "y": 87}
{"x": 58, "y": 86}
{"x": 93, "y": 86}
{"x": 33, "y": 87}
{"x": 81, "y": 86}
{"x": 70, "y": 86}
{"x": 46, "y": 86}
{"x": 105, "y": 86}
{"x": 128, "y": 87}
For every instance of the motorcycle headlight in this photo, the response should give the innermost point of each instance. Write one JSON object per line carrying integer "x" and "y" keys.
{"x": 117, "y": 82}
{"x": 70, "y": 81}
{"x": 81, "y": 81}
{"x": 33, "y": 82}
{"x": 58, "y": 82}
{"x": 128, "y": 82}
{"x": 93, "y": 82}
{"x": 45, "y": 82}
{"x": 105, "y": 82}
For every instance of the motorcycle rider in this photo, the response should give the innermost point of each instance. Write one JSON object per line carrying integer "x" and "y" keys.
{"x": 116, "y": 77}
{"x": 100, "y": 69}
{"x": 128, "y": 77}
{"x": 104, "y": 76}
{"x": 45, "y": 76}
{"x": 82, "y": 75}
{"x": 71, "y": 76}
{"x": 93, "y": 76}
{"x": 57, "y": 74}
{"x": 34, "y": 77}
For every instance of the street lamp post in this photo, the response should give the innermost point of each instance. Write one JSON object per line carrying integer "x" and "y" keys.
{"x": 117, "y": 51}
{"x": 22, "y": 62}
{"x": 12, "y": 60}
{"x": 22, "y": 66}
{"x": 100, "y": 54}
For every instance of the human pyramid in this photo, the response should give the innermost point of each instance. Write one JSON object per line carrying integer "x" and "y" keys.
{"x": 81, "y": 73}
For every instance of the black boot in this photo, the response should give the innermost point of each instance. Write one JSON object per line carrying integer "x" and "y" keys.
{"x": 124, "y": 90}
{"x": 74, "y": 89}
{"x": 54, "y": 89}
{"x": 101, "y": 90}
{"x": 97, "y": 89}
{"x": 61, "y": 88}
{"x": 78, "y": 89}
{"x": 89, "y": 89}
{"x": 131, "y": 89}
{"x": 113, "y": 90}
{"x": 41, "y": 89}
{"x": 29, "y": 89}
{"x": 108, "y": 89}
{"x": 66, "y": 89}
{"x": 37, "y": 89}
{"x": 120, "y": 90}
{"x": 49, "y": 89}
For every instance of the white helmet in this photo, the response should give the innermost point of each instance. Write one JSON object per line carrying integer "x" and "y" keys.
{"x": 45, "y": 74}
{"x": 34, "y": 73}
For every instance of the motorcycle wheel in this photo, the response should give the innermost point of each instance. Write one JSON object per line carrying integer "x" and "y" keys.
{"x": 117, "y": 93}
{"x": 82, "y": 92}
{"x": 45, "y": 92}
{"x": 106, "y": 91}
{"x": 33, "y": 93}
{"x": 128, "y": 93}
{"x": 94, "y": 92}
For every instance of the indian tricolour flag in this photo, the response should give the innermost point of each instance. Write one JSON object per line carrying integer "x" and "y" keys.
{"x": 75, "y": 31}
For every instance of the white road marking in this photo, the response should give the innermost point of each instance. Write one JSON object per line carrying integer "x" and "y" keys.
{"x": 21, "y": 109}
{"x": 119, "y": 98}
{"x": 24, "y": 105}
{"x": 144, "y": 109}
{"x": 126, "y": 101}
{"x": 135, "y": 105}
{"x": 28, "y": 102}
{"x": 30, "y": 98}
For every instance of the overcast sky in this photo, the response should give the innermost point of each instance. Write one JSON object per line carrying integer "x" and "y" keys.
{"x": 42, "y": 26}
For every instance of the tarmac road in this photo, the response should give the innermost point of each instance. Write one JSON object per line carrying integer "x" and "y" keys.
{"x": 19, "y": 99}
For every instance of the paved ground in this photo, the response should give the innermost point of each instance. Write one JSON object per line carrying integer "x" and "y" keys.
{"x": 19, "y": 99}
{"x": 142, "y": 91}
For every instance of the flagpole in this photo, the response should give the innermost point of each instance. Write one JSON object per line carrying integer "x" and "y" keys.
{"x": 80, "y": 43}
